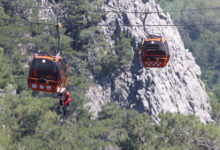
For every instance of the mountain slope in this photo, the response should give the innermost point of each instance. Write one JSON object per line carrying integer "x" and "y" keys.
{"x": 176, "y": 87}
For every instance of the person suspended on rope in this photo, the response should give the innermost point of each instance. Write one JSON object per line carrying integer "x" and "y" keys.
{"x": 64, "y": 101}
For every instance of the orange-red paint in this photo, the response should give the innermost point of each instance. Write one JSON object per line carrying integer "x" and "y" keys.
{"x": 48, "y": 82}
{"x": 154, "y": 52}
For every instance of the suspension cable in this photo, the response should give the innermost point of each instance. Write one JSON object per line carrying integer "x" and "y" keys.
{"x": 26, "y": 21}
{"x": 134, "y": 25}
{"x": 117, "y": 11}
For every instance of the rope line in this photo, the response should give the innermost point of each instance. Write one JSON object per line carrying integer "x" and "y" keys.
{"x": 170, "y": 11}
{"x": 135, "y": 25}
{"x": 19, "y": 20}
{"x": 29, "y": 7}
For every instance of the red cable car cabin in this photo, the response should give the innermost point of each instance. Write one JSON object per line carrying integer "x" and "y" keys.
{"x": 48, "y": 73}
{"x": 154, "y": 52}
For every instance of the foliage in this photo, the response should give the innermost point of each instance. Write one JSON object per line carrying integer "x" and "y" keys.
{"x": 82, "y": 17}
{"x": 6, "y": 73}
{"x": 33, "y": 124}
{"x": 174, "y": 131}
{"x": 119, "y": 57}
{"x": 34, "y": 120}
{"x": 123, "y": 49}
{"x": 203, "y": 41}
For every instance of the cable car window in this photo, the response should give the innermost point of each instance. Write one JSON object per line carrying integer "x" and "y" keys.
{"x": 45, "y": 68}
{"x": 162, "y": 47}
{"x": 166, "y": 45}
{"x": 31, "y": 73}
{"x": 151, "y": 45}
{"x": 60, "y": 65}
{"x": 156, "y": 52}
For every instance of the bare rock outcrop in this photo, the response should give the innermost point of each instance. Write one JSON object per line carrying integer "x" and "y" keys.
{"x": 175, "y": 88}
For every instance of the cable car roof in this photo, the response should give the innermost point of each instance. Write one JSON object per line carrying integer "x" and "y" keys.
{"x": 48, "y": 55}
{"x": 155, "y": 38}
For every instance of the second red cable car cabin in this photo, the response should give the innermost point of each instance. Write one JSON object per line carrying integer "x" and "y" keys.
{"x": 48, "y": 73}
{"x": 154, "y": 52}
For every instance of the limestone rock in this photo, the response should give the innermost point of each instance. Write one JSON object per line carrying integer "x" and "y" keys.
{"x": 9, "y": 89}
{"x": 175, "y": 88}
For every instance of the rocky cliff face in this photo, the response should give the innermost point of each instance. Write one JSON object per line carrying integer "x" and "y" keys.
{"x": 54, "y": 10}
{"x": 175, "y": 88}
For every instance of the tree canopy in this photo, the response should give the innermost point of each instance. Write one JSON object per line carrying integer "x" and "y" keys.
{"x": 35, "y": 121}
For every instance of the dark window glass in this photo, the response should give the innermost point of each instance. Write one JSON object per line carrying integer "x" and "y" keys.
{"x": 152, "y": 45}
{"x": 166, "y": 45}
{"x": 154, "y": 48}
{"x": 156, "y": 52}
{"x": 60, "y": 65}
{"x": 44, "y": 68}
{"x": 31, "y": 73}
{"x": 163, "y": 48}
